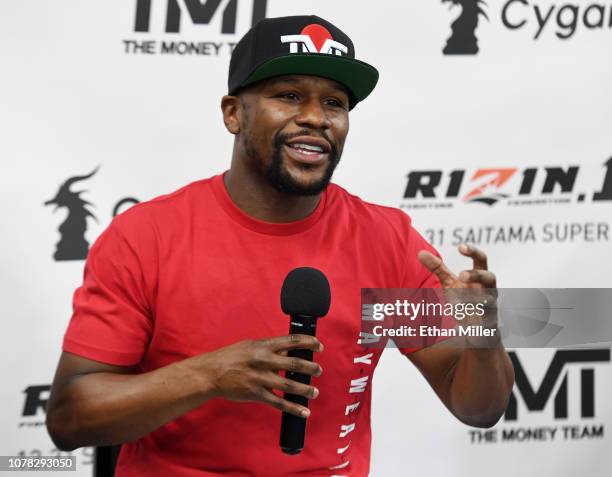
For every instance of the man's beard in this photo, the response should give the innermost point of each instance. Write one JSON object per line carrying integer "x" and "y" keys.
{"x": 280, "y": 178}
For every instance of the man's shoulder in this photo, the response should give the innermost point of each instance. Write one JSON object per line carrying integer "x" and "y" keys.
{"x": 167, "y": 206}
{"x": 163, "y": 214}
{"x": 369, "y": 212}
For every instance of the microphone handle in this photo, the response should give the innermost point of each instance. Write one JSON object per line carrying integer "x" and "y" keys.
{"x": 293, "y": 428}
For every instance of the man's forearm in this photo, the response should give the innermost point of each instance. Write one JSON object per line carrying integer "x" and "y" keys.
{"x": 108, "y": 408}
{"x": 481, "y": 382}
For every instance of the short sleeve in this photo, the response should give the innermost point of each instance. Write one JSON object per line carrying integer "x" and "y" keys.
{"x": 111, "y": 320}
{"x": 415, "y": 274}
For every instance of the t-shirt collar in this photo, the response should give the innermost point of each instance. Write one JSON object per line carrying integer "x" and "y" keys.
{"x": 260, "y": 226}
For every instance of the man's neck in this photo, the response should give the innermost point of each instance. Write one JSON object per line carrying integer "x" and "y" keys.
{"x": 256, "y": 197}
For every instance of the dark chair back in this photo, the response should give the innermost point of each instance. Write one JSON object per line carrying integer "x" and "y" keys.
{"x": 105, "y": 461}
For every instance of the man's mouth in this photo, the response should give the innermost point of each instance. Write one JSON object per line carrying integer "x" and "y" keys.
{"x": 309, "y": 150}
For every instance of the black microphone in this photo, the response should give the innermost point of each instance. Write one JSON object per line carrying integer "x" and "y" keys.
{"x": 305, "y": 296}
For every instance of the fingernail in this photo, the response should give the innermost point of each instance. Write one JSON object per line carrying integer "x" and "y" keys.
{"x": 305, "y": 413}
{"x": 320, "y": 371}
{"x": 321, "y": 347}
{"x": 464, "y": 247}
{"x": 315, "y": 393}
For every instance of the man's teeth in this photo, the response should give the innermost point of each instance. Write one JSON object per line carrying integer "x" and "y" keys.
{"x": 307, "y": 147}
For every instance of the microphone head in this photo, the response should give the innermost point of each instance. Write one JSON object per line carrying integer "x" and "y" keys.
{"x": 305, "y": 292}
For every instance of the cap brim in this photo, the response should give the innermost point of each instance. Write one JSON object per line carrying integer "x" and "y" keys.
{"x": 359, "y": 78}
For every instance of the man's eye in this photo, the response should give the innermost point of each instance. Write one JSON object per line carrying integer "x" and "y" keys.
{"x": 336, "y": 103}
{"x": 289, "y": 96}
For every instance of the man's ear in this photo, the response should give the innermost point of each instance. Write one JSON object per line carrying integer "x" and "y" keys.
{"x": 232, "y": 113}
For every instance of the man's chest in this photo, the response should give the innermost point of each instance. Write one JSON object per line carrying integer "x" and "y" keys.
{"x": 216, "y": 290}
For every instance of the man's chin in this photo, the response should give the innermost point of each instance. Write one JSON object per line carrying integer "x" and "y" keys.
{"x": 310, "y": 182}
{"x": 295, "y": 187}
{"x": 296, "y": 178}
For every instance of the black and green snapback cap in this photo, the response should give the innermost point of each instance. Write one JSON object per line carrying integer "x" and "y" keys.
{"x": 307, "y": 45}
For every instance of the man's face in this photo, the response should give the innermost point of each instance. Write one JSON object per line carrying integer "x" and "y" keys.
{"x": 293, "y": 130}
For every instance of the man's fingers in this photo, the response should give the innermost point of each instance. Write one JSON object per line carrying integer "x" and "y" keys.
{"x": 435, "y": 265}
{"x": 483, "y": 277}
{"x": 274, "y": 381}
{"x": 297, "y": 365}
{"x": 284, "y": 405}
{"x": 478, "y": 256}
{"x": 293, "y": 341}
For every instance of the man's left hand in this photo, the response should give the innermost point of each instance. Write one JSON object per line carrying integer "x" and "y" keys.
{"x": 480, "y": 282}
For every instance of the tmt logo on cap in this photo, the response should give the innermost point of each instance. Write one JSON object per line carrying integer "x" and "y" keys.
{"x": 314, "y": 39}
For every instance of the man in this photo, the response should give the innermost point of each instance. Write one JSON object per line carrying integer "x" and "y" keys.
{"x": 177, "y": 344}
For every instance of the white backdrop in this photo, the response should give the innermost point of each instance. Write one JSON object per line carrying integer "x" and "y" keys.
{"x": 75, "y": 95}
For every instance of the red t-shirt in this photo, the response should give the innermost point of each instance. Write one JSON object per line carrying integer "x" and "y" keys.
{"x": 189, "y": 272}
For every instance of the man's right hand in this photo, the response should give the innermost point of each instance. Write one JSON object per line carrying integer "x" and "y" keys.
{"x": 94, "y": 403}
{"x": 249, "y": 371}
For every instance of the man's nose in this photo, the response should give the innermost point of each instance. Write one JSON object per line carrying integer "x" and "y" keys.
{"x": 312, "y": 114}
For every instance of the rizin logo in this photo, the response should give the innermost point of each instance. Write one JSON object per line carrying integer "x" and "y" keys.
{"x": 35, "y": 405}
{"x": 314, "y": 39}
{"x": 512, "y": 186}
{"x": 487, "y": 191}
{"x": 463, "y": 39}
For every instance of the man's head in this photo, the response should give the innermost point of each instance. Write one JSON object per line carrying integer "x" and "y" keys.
{"x": 292, "y": 81}
{"x": 290, "y": 129}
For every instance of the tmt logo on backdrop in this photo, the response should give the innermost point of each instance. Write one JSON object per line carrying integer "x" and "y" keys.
{"x": 72, "y": 244}
{"x": 490, "y": 186}
{"x": 200, "y": 13}
{"x": 536, "y": 398}
{"x": 553, "y": 391}
{"x": 175, "y": 15}
{"x": 540, "y": 17}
